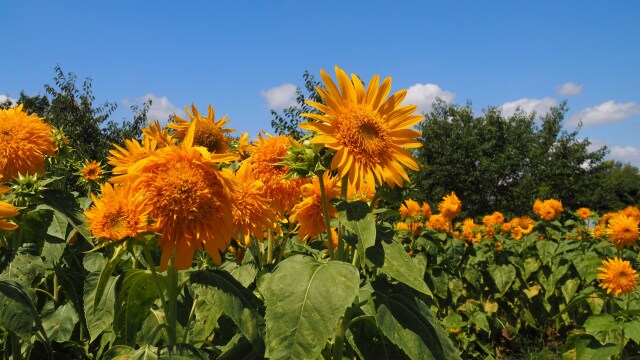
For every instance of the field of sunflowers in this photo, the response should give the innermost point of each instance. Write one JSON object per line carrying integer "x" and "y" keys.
{"x": 189, "y": 243}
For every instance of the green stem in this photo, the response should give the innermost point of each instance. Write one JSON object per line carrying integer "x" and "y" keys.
{"x": 171, "y": 312}
{"x": 15, "y": 346}
{"x": 270, "y": 244}
{"x": 344, "y": 185}
{"x": 56, "y": 294}
{"x": 156, "y": 279}
{"x": 338, "y": 344}
{"x": 355, "y": 262}
{"x": 192, "y": 314}
{"x": 325, "y": 213}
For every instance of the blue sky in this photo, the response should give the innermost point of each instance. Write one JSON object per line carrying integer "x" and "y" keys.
{"x": 245, "y": 57}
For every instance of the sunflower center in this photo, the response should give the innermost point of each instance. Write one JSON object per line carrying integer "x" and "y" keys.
{"x": 365, "y": 134}
{"x": 210, "y": 136}
{"x": 117, "y": 222}
{"x": 184, "y": 190}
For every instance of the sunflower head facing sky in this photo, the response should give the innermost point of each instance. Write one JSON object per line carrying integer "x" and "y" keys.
{"x": 367, "y": 129}
{"x": 24, "y": 142}
{"x": 617, "y": 276}
{"x": 209, "y": 133}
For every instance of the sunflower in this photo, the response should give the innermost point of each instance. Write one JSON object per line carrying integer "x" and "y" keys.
{"x": 450, "y": 206}
{"x": 242, "y": 146}
{"x": 367, "y": 130}
{"x": 91, "y": 171}
{"x": 189, "y": 199}
{"x": 119, "y": 213}
{"x": 6, "y": 210}
{"x": 622, "y": 231}
{"x": 308, "y": 213}
{"x": 439, "y": 223}
{"x": 632, "y": 212}
{"x": 209, "y": 132}
{"x": 365, "y": 192}
{"x": 494, "y": 219}
{"x": 583, "y": 213}
{"x": 617, "y": 276}
{"x": 548, "y": 209}
{"x": 123, "y": 158}
{"x": 252, "y": 214}
{"x": 159, "y": 134}
{"x": 24, "y": 142}
{"x": 470, "y": 232}
{"x": 521, "y": 226}
{"x": 410, "y": 210}
{"x": 266, "y": 153}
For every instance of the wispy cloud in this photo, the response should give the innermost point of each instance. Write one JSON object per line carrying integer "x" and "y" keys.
{"x": 540, "y": 106}
{"x": 280, "y": 97}
{"x": 569, "y": 89}
{"x": 607, "y": 112}
{"x": 161, "y": 108}
{"x": 626, "y": 153}
{"x": 424, "y": 95}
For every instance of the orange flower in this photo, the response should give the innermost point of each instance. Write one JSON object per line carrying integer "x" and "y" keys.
{"x": 308, "y": 213}
{"x": 439, "y": 223}
{"x": 189, "y": 199}
{"x": 24, "y": 142}
{"x": 410, "y": 210}
{"x": 123, "y": 158}
{"x": 521, "y": 226}
{"x": 470, "y": 231}
{"x": 632, "y": 212}
{"x": 252, "y": 213}
{"x": 91, "y": 171}
{"x": 118, "y": 213}
{"x": 209, "y": 132}
{"x": 622, "y": 231}
{"x": 583, "y": 213}
{"x": 158, "y": 134}
{"x": 368, "y": 131}
{"x": 548, "y": 209}
{"x": 7, "y": 210}
{"x": 617, "y": 276}
{"x": 450, "y": 206}
{"x": 266, "y": 153}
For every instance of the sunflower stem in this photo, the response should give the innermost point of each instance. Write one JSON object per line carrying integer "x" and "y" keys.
{"x": 340, "y": 255}
{"x": 325, "y": 213}
{"x": 156, "y": 280}
{"x": 270, "y": 249}
{"x": 171, "y": 312}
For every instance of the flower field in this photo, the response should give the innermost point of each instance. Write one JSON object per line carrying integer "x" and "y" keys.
{"x": 190, "y": 243}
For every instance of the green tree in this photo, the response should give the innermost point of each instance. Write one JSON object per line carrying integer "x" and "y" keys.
{"x": 288, "y": 122}
{"x": 494, "y": 162}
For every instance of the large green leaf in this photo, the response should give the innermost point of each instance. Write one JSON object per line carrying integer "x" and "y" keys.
{"x": 17, "y": 311}
{"x": 503, "y": 276}
{"x": 409, "y": 324}
{"x": 59, "y": 324}
{"x": 305, "y": 298}
{"x": 222, "y": 292}
{"x": 602, "y": 322}
{"x": 358, "y": 219}
{"x": 586, "y": 347}
{"x": 100, "y": 317}
{"x": 546, "y": 250}
{"x": 394, "y": 261}
{"x": 133, "y": 302}
{"x": 106, "y": 272}
{"x": 24, "y": 268}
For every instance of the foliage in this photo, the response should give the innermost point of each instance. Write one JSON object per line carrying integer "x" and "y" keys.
{"x": 287, "y": 122}
{"x": 497, "y": 162}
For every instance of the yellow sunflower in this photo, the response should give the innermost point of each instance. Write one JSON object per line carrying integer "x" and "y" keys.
{"x": 242, "y": 146}
{"x": 252, "y": 213}
{"x": 308, "y": 213}
{"x": 266, "y": 153}
{"x": 583, "y": 213}
{"x": 24, "y": 142}
{"x": 632, "y": 212}
{"x": 439, "y": 223}
{"x": 450, "y": 206}
{"x": 470, "y": 231}
{"x": 622, "y": 231}
{"x": 189, "y": 199}
{"x": 548, "y": 209}
{"x": 118, "y": 213}
{"x": 123, "y": 158}
{"x": 617, "y": 277}
{"x": 494, "y": 219}
{"x": 209, "y": 132}
{"x": 7, "y": 210}
{"x": 91, "y": 171}
{"x": 410, "y": 209}
{"x": 367, "y": 130}
{"x": 521, "y": 226}
{"x": 159, "y": 134}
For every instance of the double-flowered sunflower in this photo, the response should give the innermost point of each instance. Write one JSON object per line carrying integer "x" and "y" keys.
{"x": 617, "y": 277}
{"x": 368, "y": 130}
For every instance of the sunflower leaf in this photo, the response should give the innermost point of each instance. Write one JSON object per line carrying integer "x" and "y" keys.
{"x": 358, "y": 219}
{"x": 305, "y": 298}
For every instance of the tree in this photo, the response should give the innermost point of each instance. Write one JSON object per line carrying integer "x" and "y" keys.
{"x": 288, "y": 123}
{"x": 494, "y": 162}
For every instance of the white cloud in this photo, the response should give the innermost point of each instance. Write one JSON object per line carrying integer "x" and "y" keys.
{"x": 3, "y": 98}
{"x": 607, "y": 112}
{"x": 424, "y": 95}
{"x": 540, "y": 106}
{"x": 626, "y": 153}
{"x": 280, "y": 97}
{"x": 161, "y": 108}
{"x": 569, "y": 88}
